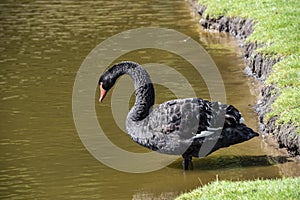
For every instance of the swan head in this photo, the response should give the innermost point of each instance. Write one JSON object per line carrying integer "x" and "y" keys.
{"x": 106, "y": 81}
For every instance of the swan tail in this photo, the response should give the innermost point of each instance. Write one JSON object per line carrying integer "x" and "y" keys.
{"x": 241, "y": 132}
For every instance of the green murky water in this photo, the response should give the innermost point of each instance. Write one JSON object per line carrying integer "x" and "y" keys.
{"x": 43, "y": 44}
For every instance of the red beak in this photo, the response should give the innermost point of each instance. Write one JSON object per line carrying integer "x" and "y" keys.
{"x": 102, "y": 93}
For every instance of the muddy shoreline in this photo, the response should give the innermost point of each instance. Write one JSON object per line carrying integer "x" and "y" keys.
{"x": 258, "y": 66}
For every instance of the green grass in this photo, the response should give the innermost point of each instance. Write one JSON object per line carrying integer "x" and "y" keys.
{"x": 277, "y": 28}
{"x": 287, "y": 188}
{"x": 286, "y": 77}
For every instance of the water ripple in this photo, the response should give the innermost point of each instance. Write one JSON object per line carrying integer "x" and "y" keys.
{"x": 43, "y": 43}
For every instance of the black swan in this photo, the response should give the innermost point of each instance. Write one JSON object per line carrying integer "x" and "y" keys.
{"x": 180, "y": 126}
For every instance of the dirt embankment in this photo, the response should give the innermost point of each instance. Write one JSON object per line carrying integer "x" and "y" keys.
{"x": 259, "y": 66}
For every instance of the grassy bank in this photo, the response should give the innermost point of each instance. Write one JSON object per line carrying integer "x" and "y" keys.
{"x": 277, "y": 27}
{"x": 287, "y": 188}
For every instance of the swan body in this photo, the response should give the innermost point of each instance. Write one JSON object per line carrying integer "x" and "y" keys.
{"x": 191, "y": 127}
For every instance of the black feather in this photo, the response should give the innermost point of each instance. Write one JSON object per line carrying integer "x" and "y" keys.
{"x": 181, "y": 126}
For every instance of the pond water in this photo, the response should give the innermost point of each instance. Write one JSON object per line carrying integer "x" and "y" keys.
{"x": 43, "y": 44}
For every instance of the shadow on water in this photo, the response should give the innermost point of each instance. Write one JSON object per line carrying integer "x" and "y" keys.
{"x": 230, "y": 162}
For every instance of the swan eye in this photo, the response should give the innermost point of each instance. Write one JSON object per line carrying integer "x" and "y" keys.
{"x": 105, "y": 81}
{"x": 105, "y": 86}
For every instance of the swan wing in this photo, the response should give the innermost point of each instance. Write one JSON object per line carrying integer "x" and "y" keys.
{"x": 175, "y": 124}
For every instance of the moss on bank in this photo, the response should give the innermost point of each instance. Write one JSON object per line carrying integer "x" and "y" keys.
{"x": 287, "y": 188}
{"x": 276, "y": 29}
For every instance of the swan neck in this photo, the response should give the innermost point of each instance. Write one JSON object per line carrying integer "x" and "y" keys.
{"x": 144, "y": 91}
